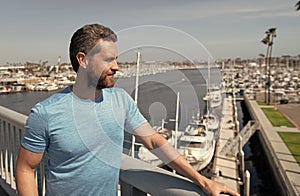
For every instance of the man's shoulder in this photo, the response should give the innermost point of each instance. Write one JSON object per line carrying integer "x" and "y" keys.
{"x": 55, "y": 99}
{"x": 115, "y": 91}
{"x": 117, "y": 94}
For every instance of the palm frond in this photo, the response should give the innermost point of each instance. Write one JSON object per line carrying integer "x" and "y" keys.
{"x": 297, "y": 6}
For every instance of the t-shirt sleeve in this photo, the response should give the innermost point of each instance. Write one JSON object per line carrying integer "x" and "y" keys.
{"x": 35, "y": 137}
{"x": 134, "y": 118}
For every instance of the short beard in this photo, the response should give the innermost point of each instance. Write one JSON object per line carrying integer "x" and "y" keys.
{"x": 95, "y": 82}
{"x": 101, "y": 84}
{"x": 98, "y": 83}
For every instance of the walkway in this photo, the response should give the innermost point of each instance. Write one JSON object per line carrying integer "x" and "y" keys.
{"x": 225, "y": 167}
{"x": 292, "y": 112}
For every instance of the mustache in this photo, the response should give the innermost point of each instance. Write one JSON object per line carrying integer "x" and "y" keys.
{"x": 111, "y": 73}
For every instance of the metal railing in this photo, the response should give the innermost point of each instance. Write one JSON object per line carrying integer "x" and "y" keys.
{"x": 11, "y": 128}
{"x": 136, "y": 177}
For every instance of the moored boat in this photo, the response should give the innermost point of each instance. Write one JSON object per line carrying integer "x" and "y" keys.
{"x": 147, "y": 156}
{"x": 197, "y": 145}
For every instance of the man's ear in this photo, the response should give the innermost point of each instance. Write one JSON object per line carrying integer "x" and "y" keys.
{"x": 81, "y": 58}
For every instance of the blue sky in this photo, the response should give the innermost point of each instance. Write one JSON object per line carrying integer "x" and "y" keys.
{"x": 34, "y": 30}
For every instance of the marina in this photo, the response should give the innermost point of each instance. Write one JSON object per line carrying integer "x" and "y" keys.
{"x": 222, "y": 168}
{"x": 219, "y": 80}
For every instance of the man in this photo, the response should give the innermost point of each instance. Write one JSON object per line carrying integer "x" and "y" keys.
{"x": 81, "y": 128}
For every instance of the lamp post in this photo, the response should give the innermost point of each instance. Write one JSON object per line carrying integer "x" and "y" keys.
{"x": 268, "y": 40}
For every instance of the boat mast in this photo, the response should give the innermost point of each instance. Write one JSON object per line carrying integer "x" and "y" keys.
{"x": 136, "y": 95}
{"x": 137, "y": 77}
{"x": 208, "y": 91}
{"x": 176, "y": 120}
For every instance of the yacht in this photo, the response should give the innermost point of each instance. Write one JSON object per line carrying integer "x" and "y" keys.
{"x": 147, "y": 156}
{"x": 197, "y": 145}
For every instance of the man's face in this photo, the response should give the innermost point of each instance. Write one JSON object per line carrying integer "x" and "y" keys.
{"x": 102, "y": 65}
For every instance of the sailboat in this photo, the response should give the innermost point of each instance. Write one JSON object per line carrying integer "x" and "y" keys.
{"x": 214, "y": 96}
{"x": 170, "y": 135}
{"x": 197, "y": 144}
{"x": 213, "y": 99}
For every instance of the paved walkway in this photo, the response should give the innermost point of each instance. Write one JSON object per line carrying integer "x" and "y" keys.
{"x": 282, "y": 156}
{"x": 292, "y": 112}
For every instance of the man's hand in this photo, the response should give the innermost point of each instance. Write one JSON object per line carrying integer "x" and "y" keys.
{"x": 214, "y": 188}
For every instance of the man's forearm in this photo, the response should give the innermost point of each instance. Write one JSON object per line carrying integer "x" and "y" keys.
{"x": 183, "y": 167}
{"x": 26, "y": 183}
{"x": 170, "y": 156}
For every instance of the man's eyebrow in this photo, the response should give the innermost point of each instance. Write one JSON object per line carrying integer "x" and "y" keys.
{"x": 111, "y": 58}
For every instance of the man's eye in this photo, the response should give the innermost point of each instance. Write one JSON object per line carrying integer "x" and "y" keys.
{"x": 109, "y": 60}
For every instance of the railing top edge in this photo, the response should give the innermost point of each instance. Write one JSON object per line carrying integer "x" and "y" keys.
{"x": 13, "y": 117}
{"x": 159, "y": 181}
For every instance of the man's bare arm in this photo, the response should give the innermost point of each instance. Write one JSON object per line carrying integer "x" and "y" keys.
{"x": 25, "y": 171}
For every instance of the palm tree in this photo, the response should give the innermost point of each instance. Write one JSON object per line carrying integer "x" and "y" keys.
{"x": 268, "y": 40}
{"x": 298, "y": 6}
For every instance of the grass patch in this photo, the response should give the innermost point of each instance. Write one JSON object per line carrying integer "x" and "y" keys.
{"x": 261, "y": 103}
{"x": 276, "y": 118}
{"x": 291, "y": 140}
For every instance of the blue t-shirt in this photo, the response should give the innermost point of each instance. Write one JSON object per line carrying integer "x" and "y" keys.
{"x": 83, "y": 140}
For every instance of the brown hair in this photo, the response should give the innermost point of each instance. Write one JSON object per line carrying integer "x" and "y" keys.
{"x": 85, "y": 38}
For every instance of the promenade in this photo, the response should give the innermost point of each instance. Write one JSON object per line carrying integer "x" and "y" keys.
{"x": 284, "y": 164}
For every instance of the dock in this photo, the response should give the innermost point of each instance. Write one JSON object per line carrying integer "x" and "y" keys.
{"x": 225, "y": 168}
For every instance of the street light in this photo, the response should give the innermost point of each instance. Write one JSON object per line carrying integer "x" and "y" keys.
{"x": 268, "y": 40}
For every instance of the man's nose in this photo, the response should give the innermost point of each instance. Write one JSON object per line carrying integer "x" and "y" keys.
{"x": 115, "y": 65}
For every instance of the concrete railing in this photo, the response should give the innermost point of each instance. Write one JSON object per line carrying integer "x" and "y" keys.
{"x": 136, "y": 177}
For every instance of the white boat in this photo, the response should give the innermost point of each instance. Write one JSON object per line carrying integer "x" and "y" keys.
{"x": 211, "y": 121}
{"x": 213, "y": 97}
{"x": 147, "y": 156}
{"x": 197, "y": 145}
{"x": 52, "y": 87}
{"x": 4, "y": 90}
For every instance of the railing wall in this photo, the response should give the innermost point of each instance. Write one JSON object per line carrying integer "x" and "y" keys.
{"x": 11, "y": 128}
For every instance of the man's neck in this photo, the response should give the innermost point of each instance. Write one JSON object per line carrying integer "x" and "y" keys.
{"x": 85, "y": 92}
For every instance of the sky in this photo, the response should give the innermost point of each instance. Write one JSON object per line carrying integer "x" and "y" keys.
{"x": 39, "y": 30}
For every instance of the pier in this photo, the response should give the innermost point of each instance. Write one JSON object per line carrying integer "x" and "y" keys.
{"x": 225, "y": 167}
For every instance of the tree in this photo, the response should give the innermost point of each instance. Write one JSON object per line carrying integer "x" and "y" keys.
{"x": 297, "y": 6}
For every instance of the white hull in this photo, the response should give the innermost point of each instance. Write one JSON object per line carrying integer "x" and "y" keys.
{"x": 197, "y": 149}
{"x": 148, "y": 157}
{"x": 211, "y": 121}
